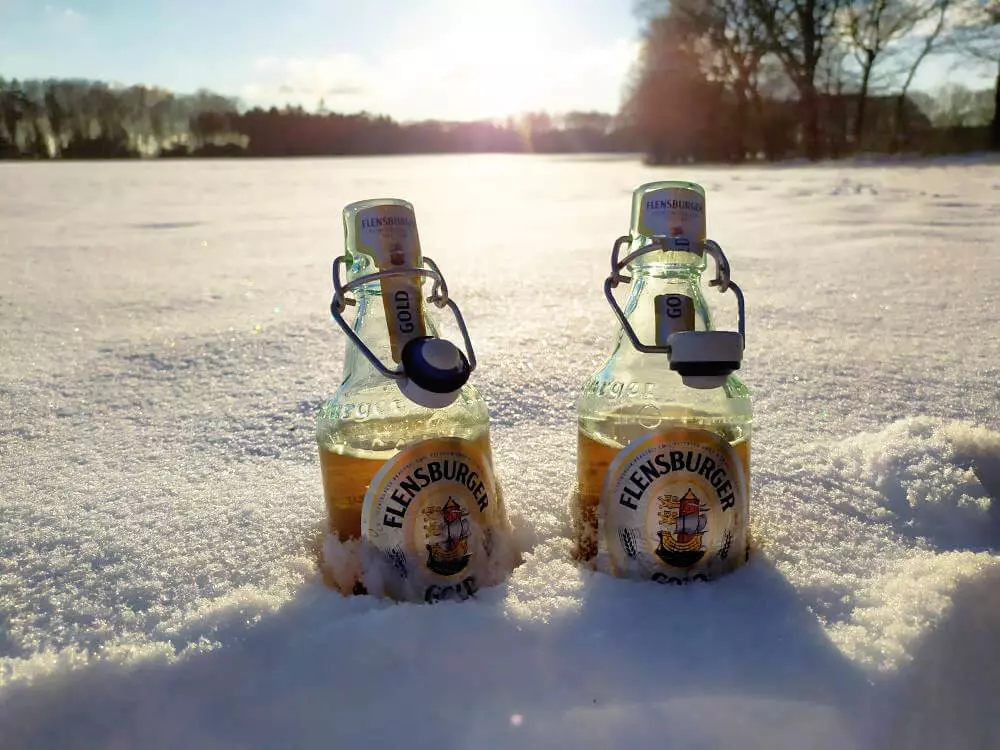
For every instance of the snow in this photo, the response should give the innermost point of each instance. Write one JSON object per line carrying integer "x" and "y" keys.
{"x": 165, "y": 343}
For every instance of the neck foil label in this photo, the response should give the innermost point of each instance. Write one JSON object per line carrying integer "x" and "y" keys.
{"x": 389, "y": 234}
{"x": 676, "y": 213}
{"x": 433, "y": 525}
{"x": 674, "y": 508}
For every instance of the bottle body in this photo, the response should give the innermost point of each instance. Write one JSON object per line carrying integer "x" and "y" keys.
{"x": 650, "y": 464}
{"x": 410, "y": 490}
{"x": 359, "y": 432}
{"x": 663, "y": 468}
{"x": 371, "y": 442}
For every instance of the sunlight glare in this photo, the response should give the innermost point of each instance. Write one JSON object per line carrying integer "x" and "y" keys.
{"x": 493, "y": 66}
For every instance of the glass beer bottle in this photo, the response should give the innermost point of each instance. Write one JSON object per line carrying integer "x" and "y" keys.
{"x": 414, "y": 509}
{"x": 663, "y": 460}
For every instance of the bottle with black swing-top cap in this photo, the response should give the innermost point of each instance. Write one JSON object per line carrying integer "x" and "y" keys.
{"x": 663, "y": 459}
{"x": 404, "y": 442}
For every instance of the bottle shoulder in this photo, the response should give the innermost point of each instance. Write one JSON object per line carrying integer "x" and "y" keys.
{"x": 355, "y": 410}
{"x": 646, "y": 382}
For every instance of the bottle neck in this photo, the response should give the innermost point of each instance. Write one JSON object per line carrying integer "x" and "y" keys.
{"x": 371, "y": 324}
{"x": 678, "y": 260}
{"x": 661, "y": 286}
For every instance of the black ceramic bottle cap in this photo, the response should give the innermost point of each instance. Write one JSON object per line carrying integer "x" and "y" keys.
{"x": 435, "y": 365}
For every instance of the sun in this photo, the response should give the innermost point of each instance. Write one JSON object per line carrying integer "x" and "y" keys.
{"x": 488, "y": 65}
{"x": 489, "y": 61}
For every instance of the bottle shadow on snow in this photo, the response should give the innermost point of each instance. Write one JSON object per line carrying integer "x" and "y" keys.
{"x": 947, "y": 695}
{"x": 557, "y": 656}
{"x": 739, "y": 661}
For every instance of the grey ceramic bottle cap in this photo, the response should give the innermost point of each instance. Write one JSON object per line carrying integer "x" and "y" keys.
{"x": 704, "y": 359}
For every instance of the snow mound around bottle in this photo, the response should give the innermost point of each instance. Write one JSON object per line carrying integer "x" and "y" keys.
{"x": 559, "y": 656}
{"x": 354, "y": 567}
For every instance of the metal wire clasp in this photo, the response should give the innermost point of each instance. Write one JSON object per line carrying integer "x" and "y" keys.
{"x": 438, "y": 296}
{"x": 722, "y": 280}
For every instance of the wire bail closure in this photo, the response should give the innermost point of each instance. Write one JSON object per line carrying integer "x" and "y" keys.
{"x": 703, "y": 359}
{"x": 722, "y": 280}
{"x": 438, "y": 296}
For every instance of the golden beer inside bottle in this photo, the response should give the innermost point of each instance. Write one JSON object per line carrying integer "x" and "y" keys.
{"x": 601, "y": 437}
{"x": 352, "y": 457}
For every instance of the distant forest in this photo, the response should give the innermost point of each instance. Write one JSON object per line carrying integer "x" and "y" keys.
{"x": 85, "y": 119}
{"x": 718, "y": 80}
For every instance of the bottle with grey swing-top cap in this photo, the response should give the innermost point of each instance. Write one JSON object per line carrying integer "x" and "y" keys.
{"x": 663, "y": 458}
{"x": 414, "y": 509}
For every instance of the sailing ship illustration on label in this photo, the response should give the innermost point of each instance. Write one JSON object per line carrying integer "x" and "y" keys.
{"x": 449, "y": 526}
{"x": 682, "y": 525}
{"x": 673, "y": 505}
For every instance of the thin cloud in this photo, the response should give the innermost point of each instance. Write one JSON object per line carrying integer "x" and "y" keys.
{"x": 63, "y": 21}
{"x": 346, "y": 90}
{"x": 64, "y": 14}
{"x": 333, "y": 91}
{"x": 305, "y": 80}
{"x": 341, "y": 71}
{"x": 425, "y": 82}
{"x": 269, "y": 62}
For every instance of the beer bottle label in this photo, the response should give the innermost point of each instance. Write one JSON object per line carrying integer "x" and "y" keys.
{"x": 389, "y": 234}
{"x": 674, "y": 212}
{"x": 674, "y": 508}
{"x": 433, "y": 524}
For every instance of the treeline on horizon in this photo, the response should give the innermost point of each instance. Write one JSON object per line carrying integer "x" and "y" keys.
{"x": 718, "y": 80}
{"x": 74, "y": 119}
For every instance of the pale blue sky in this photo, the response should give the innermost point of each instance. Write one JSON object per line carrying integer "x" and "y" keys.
{"x": 405, "y": 58}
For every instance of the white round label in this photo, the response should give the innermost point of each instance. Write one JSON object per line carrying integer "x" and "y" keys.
{"x": 674, "y": 508}
{"x": 433, "y": 525}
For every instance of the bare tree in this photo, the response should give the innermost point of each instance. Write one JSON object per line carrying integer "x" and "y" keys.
{"x": 737, "y": 44}
{"x": 833, "y": 79}
{"x": 798, "y": 33}
{"x": 728, "y": 43}
{"x": 957, "y": 106}
{"x": 671, "y": 100}
{"x": 936, "y": 21}
{"x": 975, "y": 35}
{"x": 873, "y": 29}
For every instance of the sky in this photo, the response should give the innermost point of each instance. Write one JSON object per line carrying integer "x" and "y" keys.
{"x": 411, "y": 59}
